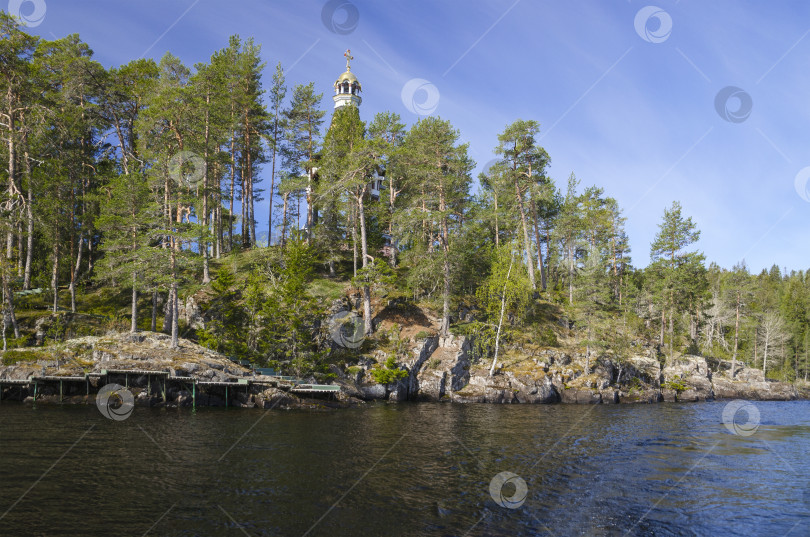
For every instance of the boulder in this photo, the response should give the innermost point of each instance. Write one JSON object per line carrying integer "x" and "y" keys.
{"x": 529, "y": 390}
{"x": 446, "y": 371}
{"x": 643, "y": 395}
{"x": 757, "y": 390}
{"x": 610, "y": 397}
{"x": 647, "y": 370}
{"x": 686, "y": 366}
{"x": 580, "y": 396}
{"x": 373, "y": 391}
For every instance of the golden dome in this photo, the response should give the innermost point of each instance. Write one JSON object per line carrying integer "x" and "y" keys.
{"x": 349, "y": 77}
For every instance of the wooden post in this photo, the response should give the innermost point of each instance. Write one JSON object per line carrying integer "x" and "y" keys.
{"x": 60, "y": 390}
{"x": 194, "y": 396}
{"x": 226, "y": 397}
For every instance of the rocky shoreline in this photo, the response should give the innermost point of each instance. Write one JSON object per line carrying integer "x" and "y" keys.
{"x": 438, "y": 370}
{"x": 441, "y": 370}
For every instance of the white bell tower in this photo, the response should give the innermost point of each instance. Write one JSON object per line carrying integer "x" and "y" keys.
{"x": 347, "y": 87}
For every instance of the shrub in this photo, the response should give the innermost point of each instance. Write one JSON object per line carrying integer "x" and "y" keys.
{"x": 676, "y": 385}
{"x": 388, "y": 374}
{"x": 547, "y": 337}
{"x": 12, "y": 357}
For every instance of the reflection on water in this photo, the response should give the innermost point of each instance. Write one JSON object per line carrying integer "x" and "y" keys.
{"x": 408, "y": 469}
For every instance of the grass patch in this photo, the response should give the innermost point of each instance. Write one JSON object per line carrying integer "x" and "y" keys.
{"x": 14, "y": 356}
{"x": 327, "y": 289}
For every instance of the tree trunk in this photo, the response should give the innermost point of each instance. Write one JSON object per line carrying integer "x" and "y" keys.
{"x": 29, "y": 251}
{"x": 497, "y": 231}
{"x": 571, "y": 251}
{"x": 392, "y": 197}
{"x": 233, "y": 189}
{"x": 588, "y": 349}
{"x": 285, "y": 197}
{"x": 736, "y": 339}
{"x": 251, "y": 241}
{"x": 168, "y": 312}
{"x": 369, "y": 328}
{"x": 444, "y": 329}
{"x": 526, "y": 241}
{"x": 309, "y": 192}
{"x": 10, "y": 307}
{"x": 154, "y": 311}
{"x": 12, "y": 173}
{"x": 175, "y": 305}
{"x": 74, "y": 275}
{"x": 272, "y": 182}
{"x": 539, "y": 250}
{"x": 134, "y": 321}
{"x": 671, "y": 333}
{"x": 500, "y": 321}
{"x": 204, "y": 240}
{"x": 663, "y": 327}
{"x": 55, "y": 275}
{"x": 765, "y": 353}
{"x": 354, "y": 241}
{"x": 445, "y": 235}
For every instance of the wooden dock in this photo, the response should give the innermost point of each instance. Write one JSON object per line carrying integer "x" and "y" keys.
{"x": 34, "y": 384}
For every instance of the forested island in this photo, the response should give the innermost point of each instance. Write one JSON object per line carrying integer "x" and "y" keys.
{"x": 130, "y": 207}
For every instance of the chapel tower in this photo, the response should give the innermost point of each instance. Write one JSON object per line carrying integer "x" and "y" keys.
{"x": 347, "y": 87}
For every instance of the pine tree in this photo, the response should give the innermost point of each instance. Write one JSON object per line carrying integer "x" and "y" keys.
{"x": 523, "y": 165}
{"x": 439, "y": 168}
{"x": 278, "y": 92}
{"x": 670, "y": 258}
{"x": 303, "y": 121}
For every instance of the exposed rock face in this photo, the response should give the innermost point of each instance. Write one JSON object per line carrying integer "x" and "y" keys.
{"x": 751, "y": 384}
{"x": 190, "y": 312}
{"x": 447, "y": 370}
{"x": 693, "y": 373}
{"x": 441, "y": 371}
{"x": 647, "y": 370}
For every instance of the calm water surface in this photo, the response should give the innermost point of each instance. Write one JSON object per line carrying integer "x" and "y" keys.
{"x": 408, "y": 469}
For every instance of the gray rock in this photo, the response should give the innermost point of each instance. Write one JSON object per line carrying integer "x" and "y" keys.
{"x": 373, "y": 391}
{"x": 580, "y": 396}
{"x": 647, "y": 395}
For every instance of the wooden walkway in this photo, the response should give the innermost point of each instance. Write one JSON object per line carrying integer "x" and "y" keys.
{"x": 163, "y": 379}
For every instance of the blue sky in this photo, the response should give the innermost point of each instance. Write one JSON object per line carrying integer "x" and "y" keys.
{"x": 624, "y": 104}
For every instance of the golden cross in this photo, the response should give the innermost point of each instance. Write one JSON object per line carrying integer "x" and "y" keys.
{"x": 349, "y": 57}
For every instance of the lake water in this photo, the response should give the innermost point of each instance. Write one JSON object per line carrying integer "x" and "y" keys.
{"x": 406, "y": 469}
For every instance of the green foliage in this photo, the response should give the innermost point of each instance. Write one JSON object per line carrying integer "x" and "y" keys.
{"x": 546, "y": 337}
{"x": 482, "y": 338}
{"x": 674, "y": 384}
{"x": 12, "y": 357}
{"x": 93, "y": 159}
{"x": 508, "y": 285}
{"x": 226, "y": 317}
{"x": 388, "y": 374}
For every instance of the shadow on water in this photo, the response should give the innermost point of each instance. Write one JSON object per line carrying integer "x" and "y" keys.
{"x": 409, "y": 469}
